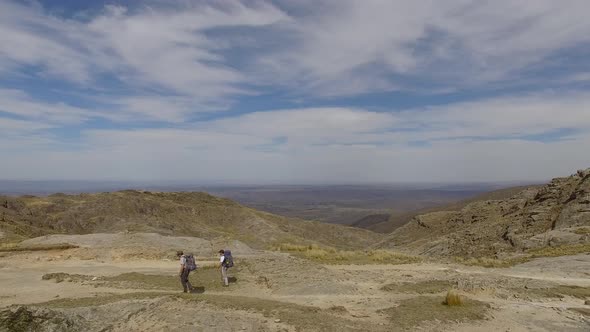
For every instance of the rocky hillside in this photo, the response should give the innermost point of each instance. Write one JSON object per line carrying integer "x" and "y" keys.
{"x": 387, "y": 223}
{"x": 551, "y": 215}
{"x": 186, "y": 214}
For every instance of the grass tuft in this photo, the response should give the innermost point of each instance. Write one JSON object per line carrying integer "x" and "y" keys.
{"x": 453, "y": 298}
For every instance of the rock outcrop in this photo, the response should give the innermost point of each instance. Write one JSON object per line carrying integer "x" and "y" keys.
{"x": 551, "y": 215}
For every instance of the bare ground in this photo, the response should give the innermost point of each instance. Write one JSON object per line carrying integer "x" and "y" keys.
{"x": 128, "y": 282}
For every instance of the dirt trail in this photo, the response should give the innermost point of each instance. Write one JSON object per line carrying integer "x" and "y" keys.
{"x": 277, "y": 292}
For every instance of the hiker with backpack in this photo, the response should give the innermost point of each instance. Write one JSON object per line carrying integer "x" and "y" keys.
{"x": 187, "y": 264}
{"x": 225, "y": 262}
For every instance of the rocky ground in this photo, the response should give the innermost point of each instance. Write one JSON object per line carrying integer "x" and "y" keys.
{"x": 128, "y": 282}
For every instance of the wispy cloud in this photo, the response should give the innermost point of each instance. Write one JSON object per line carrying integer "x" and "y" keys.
{"x": 21, "y": 104}
{"x": 450, "y": 43}
{"x": 484, "y": 140}
{"x": 166, "y": 50}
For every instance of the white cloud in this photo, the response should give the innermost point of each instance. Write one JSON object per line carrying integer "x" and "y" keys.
{"x": 166, "y": 49}
{"x": 494, "y": 118}
{"x": 171, "y": 157}
{"x": 340, "y": 145}
{"x": 157, "y": 109}
{"x": 8, "y": 125}
{"x": 578, "y": 77}
{"x": 309, "y": 126}
{"x": 504, "y": 116}
{"x": 21, "y": 104}
{"x": 445, "y": 43}
{"x": 169, "y": 48}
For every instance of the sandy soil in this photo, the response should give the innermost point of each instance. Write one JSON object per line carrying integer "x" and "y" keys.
{"x": 110, "y": 284}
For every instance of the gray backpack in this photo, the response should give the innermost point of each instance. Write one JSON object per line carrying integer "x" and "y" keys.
{"x": 190, "y": 263}
{"x": 229, "y": 260}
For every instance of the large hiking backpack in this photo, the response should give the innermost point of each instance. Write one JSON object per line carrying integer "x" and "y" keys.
{"x": 190, "y": 263}
{"x": 229, "y": 260}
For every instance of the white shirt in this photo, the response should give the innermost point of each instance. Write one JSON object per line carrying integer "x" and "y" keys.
{"x": 221, "y": 259}
{"x": 182, "y": 260}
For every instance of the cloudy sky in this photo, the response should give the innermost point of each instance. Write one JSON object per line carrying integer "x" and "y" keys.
{"x": 294, "y": 91}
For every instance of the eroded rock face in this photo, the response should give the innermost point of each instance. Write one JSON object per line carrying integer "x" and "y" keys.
{"x": 576, "y": 210}
{"x": 534, "y": 218}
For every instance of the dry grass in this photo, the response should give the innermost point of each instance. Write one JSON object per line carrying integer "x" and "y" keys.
{"x": 60, "y": 277}
{"x": 565, "y": 250}
{"x": 559, "y": 292}
{"x": 330, "y": 255}
{"x": 295, "y": 247}
{"x": 453, "y": 298}
{"x": 8, "y": 245}
{"x": 582, "y": 230}
{"x": 493, "y": 262}
{"x": 61, "y": 246}
{"x": 65, "y": 303}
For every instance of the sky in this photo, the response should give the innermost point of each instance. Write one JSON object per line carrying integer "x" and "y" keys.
{"x": 323, "y": 91}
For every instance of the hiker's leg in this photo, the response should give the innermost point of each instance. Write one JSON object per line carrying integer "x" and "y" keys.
{"x": 224, "y": 275}
{"x": 184, "y": 279}
{"x": 188, "y": 282}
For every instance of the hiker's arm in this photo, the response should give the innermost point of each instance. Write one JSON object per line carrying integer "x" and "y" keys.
{"x": 181, "y": 268}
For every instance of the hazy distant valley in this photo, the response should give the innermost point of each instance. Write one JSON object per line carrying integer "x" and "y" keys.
{"x": 363, "y": 206}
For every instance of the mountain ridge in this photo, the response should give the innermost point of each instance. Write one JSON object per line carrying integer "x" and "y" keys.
{"x": 382, "y": 223}
{"x": 169, "y": 213}
{"x": 551, "y": 215}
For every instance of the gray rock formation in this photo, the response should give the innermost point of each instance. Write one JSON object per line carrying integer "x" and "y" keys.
{"x": 552, "y": 215}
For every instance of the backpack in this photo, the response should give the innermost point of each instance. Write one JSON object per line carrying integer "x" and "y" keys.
{"x": 229, "y": 260}
{"x": 190, "y": 263}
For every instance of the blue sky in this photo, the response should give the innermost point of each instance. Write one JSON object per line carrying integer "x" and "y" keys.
{"x": 294, "y": 91}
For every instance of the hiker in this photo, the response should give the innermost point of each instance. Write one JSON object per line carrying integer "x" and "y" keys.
{"x": 225, "y": 262}
{"x": 187, "y": 264}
